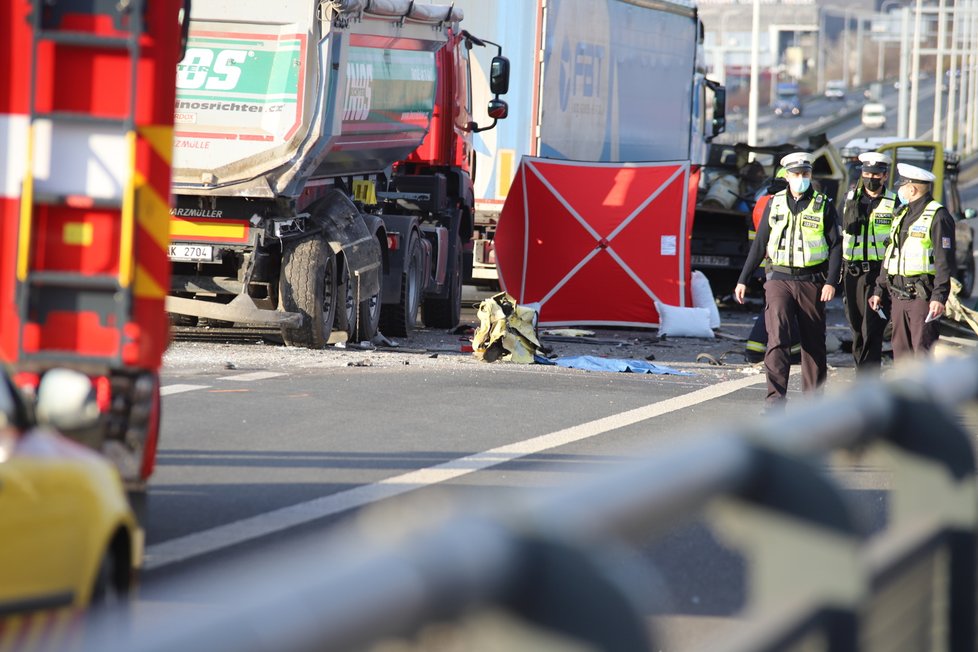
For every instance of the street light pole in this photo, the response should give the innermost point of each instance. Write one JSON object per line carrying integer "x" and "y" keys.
{"x": 972, "y": 104}
{"x": 755, "y": 56}
{"x": 904, "y": 52}
{"x": 952, "y": 84}
{"x": 857, "y": 77}
{"x": 820, "y": 44}
{"x": 845, "y": 48}
{"x": 915, "y": 71}
{"x": 939, "y": 70}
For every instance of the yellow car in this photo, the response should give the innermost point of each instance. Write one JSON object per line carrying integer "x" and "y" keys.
{"x": 68, "y": 537}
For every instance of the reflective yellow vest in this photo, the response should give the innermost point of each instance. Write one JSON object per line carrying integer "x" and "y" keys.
{"x": 870, "y": 244}
{"x": 915, "y": 255}
{"x": 797, "y": 240}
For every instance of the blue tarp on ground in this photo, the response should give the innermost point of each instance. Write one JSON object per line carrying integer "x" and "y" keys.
{"x": 594, "y": 363}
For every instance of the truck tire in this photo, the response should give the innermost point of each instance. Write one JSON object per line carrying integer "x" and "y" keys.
{"x": 308, "y": 285}
{"x": 346, "y": 311}
{"x": 368, "y": 313}
{"x": 400, "y": 319}
{"x": 360, "y": 320}
{"x": 446, "y": 312}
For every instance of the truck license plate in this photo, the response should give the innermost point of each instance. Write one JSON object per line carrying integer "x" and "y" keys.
{"x": 192, "y": 253}
{"x": 709, "y": 261}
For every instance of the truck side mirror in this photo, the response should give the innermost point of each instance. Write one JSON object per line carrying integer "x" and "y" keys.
{"x": 498, "y": 109}
{"x": 719, "y": 108}
{"x": 499, "y": 75}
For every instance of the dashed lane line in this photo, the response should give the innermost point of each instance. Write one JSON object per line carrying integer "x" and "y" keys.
{"x": 180, "y": 389}
{"x": 207, "y": 541}
{"x": 255, "y": 375}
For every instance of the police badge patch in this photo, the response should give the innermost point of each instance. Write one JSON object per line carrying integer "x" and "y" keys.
{"x": 946, "y": 243}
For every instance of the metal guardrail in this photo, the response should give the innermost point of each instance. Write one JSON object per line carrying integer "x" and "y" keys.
{"x": 562, "y": 571}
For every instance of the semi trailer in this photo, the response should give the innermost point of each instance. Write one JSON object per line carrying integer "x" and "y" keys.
{"x": 322, "y": 177}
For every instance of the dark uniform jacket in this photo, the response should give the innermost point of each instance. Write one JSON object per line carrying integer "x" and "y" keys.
{"x": 942, "y": 235}
{"x": 758, "y": 249}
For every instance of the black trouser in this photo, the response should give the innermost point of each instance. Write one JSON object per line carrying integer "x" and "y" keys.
{"x": 785, "y": 301}
{"x": 867, "y": 326}
{"x": 911, "y": 336}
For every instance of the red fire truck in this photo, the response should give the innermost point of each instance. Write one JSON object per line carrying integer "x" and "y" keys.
{"x": 86, "y": 130}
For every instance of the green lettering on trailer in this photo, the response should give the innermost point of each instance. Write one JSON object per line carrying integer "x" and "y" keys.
{"x": 227, "y": 70}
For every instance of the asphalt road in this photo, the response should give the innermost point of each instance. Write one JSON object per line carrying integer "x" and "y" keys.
{"x": 263, "y": 446}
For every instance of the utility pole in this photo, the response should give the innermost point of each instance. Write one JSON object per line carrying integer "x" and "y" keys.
{"x": 915, "y": 73}
{"x": 939, "y": 70}
{"x": 755, "y": 57}
{"x": 904, "y": 73}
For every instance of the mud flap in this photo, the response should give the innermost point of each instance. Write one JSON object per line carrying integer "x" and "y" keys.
{"x": 346, "y": 232}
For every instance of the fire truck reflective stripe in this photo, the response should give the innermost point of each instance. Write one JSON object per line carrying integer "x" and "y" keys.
{"x": 146, "y": 285}
{"x": 80, "y": 160}
{"x": 160, "y": 138}
{"x": 26, "y": 209}
{"x": 78, "y": 234}
{"x": 153, "y": 213}
{"x": 128, "y": 217}
{"x": 223, "y": 230}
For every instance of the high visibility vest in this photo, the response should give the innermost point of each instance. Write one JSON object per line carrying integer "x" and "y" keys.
{"x": 914, "y": 256}
{"x": 870, "y": 243}
{"x": 797, "y": 240}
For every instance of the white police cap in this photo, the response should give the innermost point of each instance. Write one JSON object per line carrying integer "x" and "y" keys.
{"x": 877, "y": 162}
{"x": 797, "y": 161}
{"x": 913, "y": 173}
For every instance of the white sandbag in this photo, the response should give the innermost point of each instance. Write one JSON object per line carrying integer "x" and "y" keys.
{"x": 675, "y": 321}
{"x": 703, "y": 297}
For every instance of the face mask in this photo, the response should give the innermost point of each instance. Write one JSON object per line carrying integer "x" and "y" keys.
{"x": 799, "y": 185}
{"x": 872, "y": 185}
{"x": 903, "y": 199}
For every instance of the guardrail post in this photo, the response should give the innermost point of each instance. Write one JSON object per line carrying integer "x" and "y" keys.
{"x": 801, "y": 542}
{"x": 935, "y": 481}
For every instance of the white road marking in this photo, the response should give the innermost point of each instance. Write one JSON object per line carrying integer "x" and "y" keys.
{"x": 179, "y": 389}
{"x": 206, "y": 541}
{"x": 256, "y": 375}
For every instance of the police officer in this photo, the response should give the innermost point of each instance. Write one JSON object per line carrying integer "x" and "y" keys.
{"x": 799, "y": 236}
{"x": 866, "y": 219}
{"x": 917, "y": 264}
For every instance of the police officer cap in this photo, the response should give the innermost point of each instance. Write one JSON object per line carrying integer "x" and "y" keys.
{"x": 797, "y": 162}
{"x": 913, "y": 173}
{"x": 876, "y": 162}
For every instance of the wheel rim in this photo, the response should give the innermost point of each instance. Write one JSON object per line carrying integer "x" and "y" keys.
{"x": 329, "y": 296}
{"x": 414, "y": 287}
{"x": 351, "y": 303}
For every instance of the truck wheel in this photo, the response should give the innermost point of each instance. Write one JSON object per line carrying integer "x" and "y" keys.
{"x": 359, "y": 321}
{"x": 308, "y": 286}
{"x": 445, "y": 312}
{"x": 368, "y": 313}
{"x": 346, "y": 312}
{"x": 399, "y": 320}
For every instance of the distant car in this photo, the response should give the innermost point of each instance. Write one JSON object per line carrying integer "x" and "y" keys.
{"x": 787, "y": 100}
{"x": 874, "y": 115}
{"x": 835, "y": 89}
{"x": 68, "y": 537}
